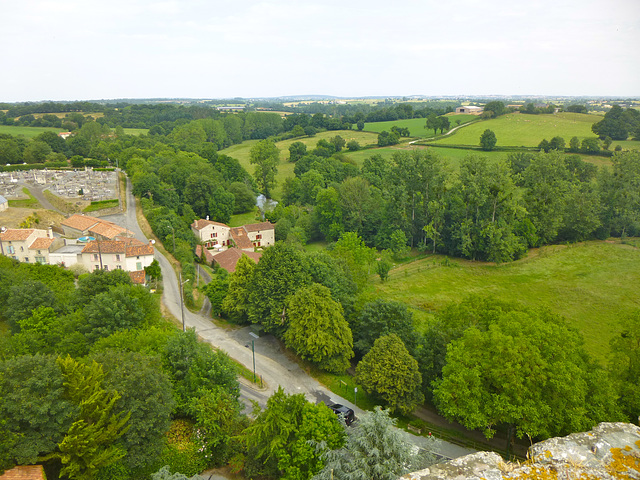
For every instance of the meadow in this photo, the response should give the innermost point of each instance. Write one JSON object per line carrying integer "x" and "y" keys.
{"x": 416, "y": 125}
{"x": 592, "y": 284}
{"x": 29, "y": 132}
{"x": 241, "y": 152}
{"x": 520, "y": 130}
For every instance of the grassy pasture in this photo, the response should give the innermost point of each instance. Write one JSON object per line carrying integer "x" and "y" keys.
{"x": 241, "y": 152}
{"x": 64, "y": 114}
{"x": 135, "y": 131}
{"x": 516, "y": 129}
{"x": 592, "y": 284}
{"x": 415, "y": 125}
{"x": 26, "y": 131}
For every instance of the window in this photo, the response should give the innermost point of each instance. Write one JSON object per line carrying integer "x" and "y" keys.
{"x": 138, "y": 265}
{"x": 117, "y": 257}
{"x": 119, "y": 267}
{"x": 214, "y": 235}
{"x": 106, "y": 267}
{"x": 22, "y": 249}
{"x": 40, "y": 259}
{"x": 11, "y": 249}
{"x": 26, "y": 259}
{"x": 39, "y": 252}
{"x": 94, "y": 257}
{"x": 96, "y": 267}
{"x": 258, "y": 237}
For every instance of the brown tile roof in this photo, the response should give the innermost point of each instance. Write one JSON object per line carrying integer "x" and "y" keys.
{"x": 24, "y": 472}
{"x": 107, "y": 229}
{"x": 42, "y": 243}
{"x": 239, "y": 236}
{"x": 229, "y": 258}
{"x": 104, "y": 246}
{"x": 129, "y": 240}
{"x": 80, "y": 222}
{"x": 115, "y": 246}
{"x": 255, "y": 227}
{"x": 137, "y": 250}
{"x": 15, "y": 234}
{"x": 200, "y": 224}
{"x": 138, "y": 277}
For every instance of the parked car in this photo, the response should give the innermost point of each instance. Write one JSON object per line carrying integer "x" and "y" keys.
{"x": 346, "y": 412}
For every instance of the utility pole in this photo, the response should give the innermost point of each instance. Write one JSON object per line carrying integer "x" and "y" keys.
{"x": 182, "y": 300}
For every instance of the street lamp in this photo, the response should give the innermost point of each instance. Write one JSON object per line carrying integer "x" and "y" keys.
{"x": 253, "y": 350}
{"x": 182, "y": 300}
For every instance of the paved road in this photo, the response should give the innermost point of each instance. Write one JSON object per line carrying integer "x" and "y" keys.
{"x": 271, "y": 363}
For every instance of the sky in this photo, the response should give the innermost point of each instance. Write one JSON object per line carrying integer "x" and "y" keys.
{"x": 90, "y": 50}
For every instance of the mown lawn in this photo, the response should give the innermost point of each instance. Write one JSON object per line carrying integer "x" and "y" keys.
{"x": 26, "y": 131}
{"x": 517, "y": 129}
{"x": 592, "y": 284}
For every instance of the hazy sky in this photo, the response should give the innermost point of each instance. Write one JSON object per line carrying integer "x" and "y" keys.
{"x": 86, "y": 49}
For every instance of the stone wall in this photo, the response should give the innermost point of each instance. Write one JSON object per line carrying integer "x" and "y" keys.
{"x": 609, "y": 451}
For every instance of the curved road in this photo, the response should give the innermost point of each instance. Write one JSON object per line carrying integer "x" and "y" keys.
{"x": 270, "y": 361}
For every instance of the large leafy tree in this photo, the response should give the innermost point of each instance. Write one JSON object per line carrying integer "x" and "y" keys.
{"x": 265, "y": 156}
{"x": 317, "y": 329}
{"x": 32, "y": 392}
{"x": 108, "y": 312}
{"x": 488, "y": 140}
{"x": 90, "y": 442}
{"x": 380, "y": 318}
{"x": 625, "y": 364}
{"x": 389, "y": 371}
{"x": 99, "y": 281}
{"x": 146, "y": 392}
{"x": 526, "y": 370}
{"x": 284, "y": 438}
{"x": 281, "y": 271}
{"x": 236, "y": 302}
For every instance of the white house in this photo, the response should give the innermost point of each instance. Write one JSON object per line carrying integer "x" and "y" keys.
{"x": 125, "y": 254}
{"x": 4, "y": 203}
{"x": 216, "y": 235}
{"x": 26, "y": 244}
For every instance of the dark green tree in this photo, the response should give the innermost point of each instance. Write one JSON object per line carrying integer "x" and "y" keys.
{"x": 488, "y": 140}
{"x": 317, "y": 330}
{"x": 297, "y": 150}
{"x": 380, "y": 318}
{"x": 390, "y": 372}
{"x": 265, "y": 156}
{"x": 245, "y": 198}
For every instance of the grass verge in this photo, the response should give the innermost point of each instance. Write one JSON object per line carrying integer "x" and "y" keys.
{"x": 31, "y": 202}
{"x": 101, "y": 205}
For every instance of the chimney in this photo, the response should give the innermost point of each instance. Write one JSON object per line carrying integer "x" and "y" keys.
{"x": 50, "y": 232}
{"x": 207, "y": 217}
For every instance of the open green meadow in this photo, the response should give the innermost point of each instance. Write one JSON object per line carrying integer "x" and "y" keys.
{"x": 415, "y": 125}
{"x": 136, "y": 131}
{"x": 26, "y": 131}
{"x": 592, "y": 284}
{"x": 241, "y": 152}
{"x": 520, "y": 130}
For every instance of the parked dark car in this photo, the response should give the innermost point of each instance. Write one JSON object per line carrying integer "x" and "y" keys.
{"x": 338, "y": 409}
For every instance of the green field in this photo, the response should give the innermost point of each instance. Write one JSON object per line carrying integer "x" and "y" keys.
{"x": 26, "y": 131}
{"x": 285, "y": 169}
{"x": 415, "y": 125}
{"x": 136, "y": 131}
{"x": 516, "y": 129}
{"x": 592, "y": 284}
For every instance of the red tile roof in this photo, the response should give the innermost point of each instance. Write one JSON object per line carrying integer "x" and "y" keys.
{"x": 138, "y": 277}
{"x": 15, "y": 234}
{"x": 229, "y": 258}
{"x": 200, "y": 224}
{"x": 24, "y": 472}
{"x": 115, "y": 246}
{"x": 255, "y": 227}
{"x": 80, "y": 222}
{"x": 42, "y": 243}
{"x": 107, "y": 229}
{"x": 239, "y": 236}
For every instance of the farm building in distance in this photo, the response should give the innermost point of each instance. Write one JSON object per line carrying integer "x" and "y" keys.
{"x": 470, "y": 109}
